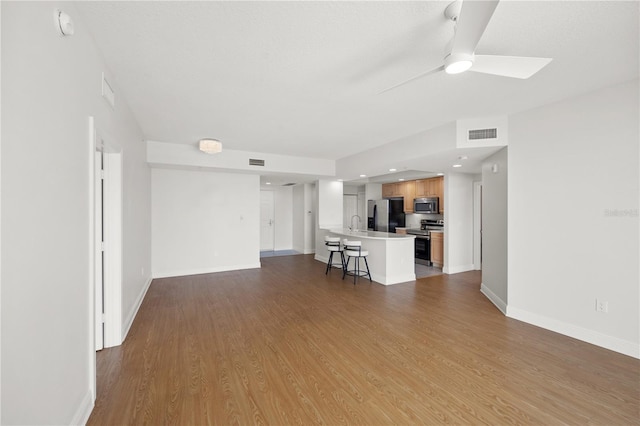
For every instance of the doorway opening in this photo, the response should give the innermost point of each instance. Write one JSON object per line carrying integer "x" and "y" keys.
{"x": 106, "y": 239}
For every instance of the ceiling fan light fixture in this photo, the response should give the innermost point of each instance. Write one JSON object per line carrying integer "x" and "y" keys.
{"x": 210, "y": 146}
{"x": 456, "y": 63}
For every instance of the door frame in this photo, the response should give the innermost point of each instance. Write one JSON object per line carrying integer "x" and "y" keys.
{"x": 112, "y": 234}
{"x": 273, "y": 215}
{"x": 477, "y": 225}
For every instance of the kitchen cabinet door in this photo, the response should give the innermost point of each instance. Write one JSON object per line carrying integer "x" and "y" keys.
{"x": 421, "y": 188}
{"x": 439, "y": 192}
{"x": 437, "y": 249}
{"x": 387, "y": 190}
{"x": 409, "y": 193}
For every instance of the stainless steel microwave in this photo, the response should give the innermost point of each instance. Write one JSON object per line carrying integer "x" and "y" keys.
{"x": 425, "y": 205}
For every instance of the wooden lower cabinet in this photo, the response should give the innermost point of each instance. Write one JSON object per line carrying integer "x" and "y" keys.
{"x": 437, "y": 249}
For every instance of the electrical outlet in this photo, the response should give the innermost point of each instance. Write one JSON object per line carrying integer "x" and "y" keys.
{"x": 602, "y": 306}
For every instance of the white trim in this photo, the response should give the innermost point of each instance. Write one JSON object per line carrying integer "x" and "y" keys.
{"x": 457, "y": 269}
{"x": 81, "y": 416}
{"x": 185, "y": 272}
{"x": 493, "y": 298}
{"x": 91, "y": 355}
{"x": 136, "y": 307}
{"x": 396, "y": 279}
{"x": 608, "y": 342}
{"x": 307, "y": 251}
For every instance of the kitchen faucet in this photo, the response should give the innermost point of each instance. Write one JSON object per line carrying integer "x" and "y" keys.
{"x": 359, "y": 221}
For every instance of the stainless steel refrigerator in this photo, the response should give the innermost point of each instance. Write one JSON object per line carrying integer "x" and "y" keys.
{"x": 385, "y": 215}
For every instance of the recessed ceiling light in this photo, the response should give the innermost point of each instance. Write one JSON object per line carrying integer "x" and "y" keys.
{"x": 392, "y": 170}
{"x": 439, "y": 174}
{"x": 268, "y": 183}
{"x": 457, "y": 165}
{"x": 363, "y": 175}
{"x": 400, "y": 179}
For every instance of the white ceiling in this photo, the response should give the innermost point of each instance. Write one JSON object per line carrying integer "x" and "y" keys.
{"x": 301, "y": 78}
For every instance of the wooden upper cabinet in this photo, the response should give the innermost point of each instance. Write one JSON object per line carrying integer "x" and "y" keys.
{"x": 407, "y": 190}
{"x": 421, "y": 188}
{"x": 390, "y": 190}
{"x": 433, "y": 187}
{"x": 409, "y": 193}
{"x": 439, "y": 187}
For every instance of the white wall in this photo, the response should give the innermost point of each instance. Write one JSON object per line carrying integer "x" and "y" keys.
{"x": 329, "y": 213}
{"x": 458, "y": 219}
{"x": 578, "y": 160}
{"x": 303, "y": 218}
{"x": 50, "y": 86}
{"x": 298, "y": 218}
{"x": 283, "y": 204}
{"x": 204, "y": 222}
{"x": 494, "y": 228}
{"x": 311, "y": 207}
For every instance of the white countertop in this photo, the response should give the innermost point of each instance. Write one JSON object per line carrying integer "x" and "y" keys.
{"x": 370, "y": 234}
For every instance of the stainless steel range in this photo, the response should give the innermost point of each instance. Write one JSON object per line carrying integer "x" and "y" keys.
{"x": 423, "y": 239}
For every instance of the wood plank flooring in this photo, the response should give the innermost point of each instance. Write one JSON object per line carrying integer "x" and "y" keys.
{"x": 286, "y": 345}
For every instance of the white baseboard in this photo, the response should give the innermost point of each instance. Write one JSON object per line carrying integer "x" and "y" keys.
{"x": 396, "y": 279}
{"x": 185, "y": 272}
{"x": 308, "y": 251}
{"x": 81, "y": 417}
{"x": 603, "y": 340}
{"x": 134, "y": 311}
{"x": 457, "y": 269}
{"x": 493, "y": 298}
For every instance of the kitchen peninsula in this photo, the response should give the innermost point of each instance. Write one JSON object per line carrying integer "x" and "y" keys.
{"x": 391, "y": 256}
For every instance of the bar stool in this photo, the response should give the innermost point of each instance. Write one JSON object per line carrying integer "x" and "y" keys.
{"x": 333, "y": 245}
{"x": 354, "y": 249}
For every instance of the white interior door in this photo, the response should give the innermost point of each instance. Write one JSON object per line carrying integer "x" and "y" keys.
{"x": 99, "y": 253}
{"x": 267, "y": 221}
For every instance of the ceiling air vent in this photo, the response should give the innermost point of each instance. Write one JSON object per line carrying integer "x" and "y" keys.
{"x": 256, "y": 162}
{"x": 289, "y": 184}
{"x": 483, "y": 134}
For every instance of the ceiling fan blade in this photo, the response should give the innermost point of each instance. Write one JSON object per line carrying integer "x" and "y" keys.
{"x": 424, "y": 74}
{"x": 509, "y": 66}
{"x": 472, "y": 21}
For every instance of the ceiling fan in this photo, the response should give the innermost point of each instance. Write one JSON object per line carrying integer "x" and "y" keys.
{"x": 471, "y": 18}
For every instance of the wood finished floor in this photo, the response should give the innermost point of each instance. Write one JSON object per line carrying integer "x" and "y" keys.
{"x": 286, "y": 345}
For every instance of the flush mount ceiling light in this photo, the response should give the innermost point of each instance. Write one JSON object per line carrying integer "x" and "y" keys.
{"x": 210, "y": 146}
{"x": 457, "y": 165}
{"x": 392, "y": 170}
{"x": 363, "y": 175}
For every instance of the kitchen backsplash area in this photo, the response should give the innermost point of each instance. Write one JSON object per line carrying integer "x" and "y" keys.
{"x": 412, "y": 220}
